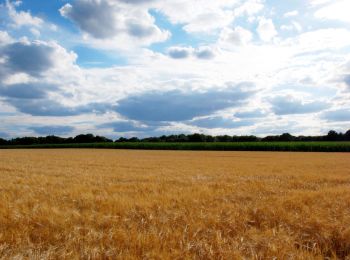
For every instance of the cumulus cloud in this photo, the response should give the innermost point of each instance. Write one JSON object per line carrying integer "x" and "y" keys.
{"x": 287, "y": 105}
{"x": 127, "y": 126}
{"x": 95, "y": 17}
{"x": 203, "y": 52}
{"x": 319, "y": 2}
{"x": 5, "y": 38}
{"x": 347, "y": 80}
{"x": 322, "y": 39}
{"x": 137, "y": 1}
{"x": 33, "y": 58}
{"x": 291, "y": 13}
{"x": 4, "y": 135}
{"x": 26, "y": 91}
{"x": 249, "y": 8}
{"x": 336, "y": 10}
{"x": 52, "y": 130}
{"x": 43, "y": 79}
{"x": 237, "y": 36}
{"x": 105, "y": 20}
{"x": 179, "y": 106}
{"x": 199, "y": 16}
{"x": 257, "y": 113}
{"x": 266, "y": 29}
{"x": 195, "y": 17}
{"x": 293, "y": 26}
{"x": 52, "y": 108}
{"x": 337, "y": 115}
{"x": 180, "y": 52}
{"x": 22, "y": 18}
{"x": 209, "y": 21}
{"x": 220, "y": 122}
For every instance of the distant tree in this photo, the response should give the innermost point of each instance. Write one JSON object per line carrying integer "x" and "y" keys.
{"x": 133, "y": 139}
{"x": 121, "y": 139}
{"x": 151, "y": 139}
{"x": 286, "y": 137}
{"x": 51, "y": 139}
{"x": 3, "y": 141}
{"x": 250, "y": 138}
{"x": 69, "y": 140}
{"x": 245, "y": 138}
{"x": 163, "y": 138}
{"x": 24, "y": 141}
{"x": 347, "y": 135}
{"x": 210, "y": 138}
{"x": 270, "y": 138}
{"x": 196, "y": 138}
{"x": 102, "y": 139}
{"x": 303, "y": 138}
{"x": 171, "y": 138}
{"x": 224, "y": 138}
{"x": 182, "y": 138}
{"x": 84, "y": 138}
{"x": 90, "y": 138}
{"x": 332, "y": 136}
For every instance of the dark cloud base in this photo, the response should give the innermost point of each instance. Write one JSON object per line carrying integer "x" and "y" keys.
{"x": 285, "y": 105}
{"x": 52, "y": 130}
{"x": 180, "y": 106}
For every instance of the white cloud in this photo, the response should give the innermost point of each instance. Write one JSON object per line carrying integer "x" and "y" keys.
{"x": 22, "y": 18}
{"x": 291, "y": 13}
{"x": 249, "y": 8}
{"x": 337, "y": 10}
{"x": 52, "y": 61}
{"x": 17, "y": 78}
{"x": 322, "y": 39}
{"x": 266, "y": 29}
{"x": 279, "y": 67}
{"x": 206, "y": 16}
{"x": 110, "y": 23}
{"x": 235, "y": 37}
{"x": 205, "y": 53}
{"x": 35, "y": 32}
{"x": 293, "y": 26}
{"x": 207, "y": 22}
{"x": 319, "y": 2}
{"x": 178, "y": 52}
{"x": 202, "y": 52}
{"x": 191, "y": 10}
{"x": 5, "y": 38}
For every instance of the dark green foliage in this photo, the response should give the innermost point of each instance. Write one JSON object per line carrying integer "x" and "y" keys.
{"x": 332, "y": 142}
{"x": 209, "y": 146}
{"x": 334, "y": 136}
{"x": 224, "y": 138}
{"x": 51, "y": 139}
{"x": 90, "y": 138}
{"x": 3, "y": 141}
{"x": 196, "y": 138}
{"x": 286, "y": 137}
{"x": 347, "y": 136}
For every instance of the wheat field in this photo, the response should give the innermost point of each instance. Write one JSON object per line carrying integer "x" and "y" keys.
{"x": 120, "y": 204}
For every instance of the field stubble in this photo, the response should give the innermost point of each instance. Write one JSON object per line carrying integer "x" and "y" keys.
{"x": 92, "y": 204}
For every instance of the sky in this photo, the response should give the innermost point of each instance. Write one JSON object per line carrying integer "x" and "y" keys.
{"x": 158, "y": 67}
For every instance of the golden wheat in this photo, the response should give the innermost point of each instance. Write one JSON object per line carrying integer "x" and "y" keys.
{"x": 113, "y": 204}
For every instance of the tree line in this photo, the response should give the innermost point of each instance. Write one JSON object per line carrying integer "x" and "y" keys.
{"x": 90, "y": 138}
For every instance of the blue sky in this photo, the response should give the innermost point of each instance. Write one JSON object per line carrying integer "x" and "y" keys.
{"x": 153, "y": 67}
